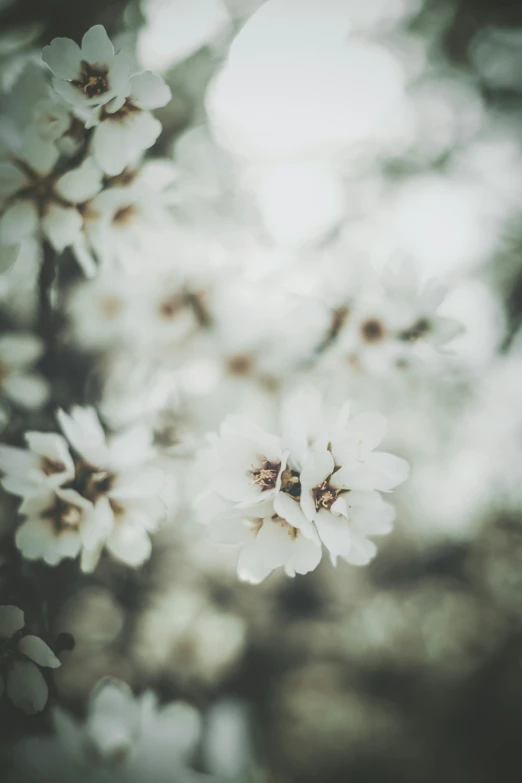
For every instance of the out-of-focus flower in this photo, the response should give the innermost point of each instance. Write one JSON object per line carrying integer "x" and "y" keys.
{"x": 38, "y": 200}
{"x": 20, "y": 659}
{"x": 125, "y": 130}
{"x": 18, "y": 353}
{"x": 129, "y": 737}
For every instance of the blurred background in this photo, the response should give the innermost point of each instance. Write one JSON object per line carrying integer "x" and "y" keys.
{"x": 294, "y": 171}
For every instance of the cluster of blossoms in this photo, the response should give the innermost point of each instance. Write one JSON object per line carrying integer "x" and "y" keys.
{"x": 282, "y": 498}
{"x": 64, "y": 176}
{"x": 21, "y": 655}
{"x": 83, "y": 492}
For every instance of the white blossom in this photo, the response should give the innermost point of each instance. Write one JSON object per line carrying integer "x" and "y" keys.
{"x": 282, "y": 497}
{"x": 104, "y": 496}
{"x": 130, "y": 736}
{"x": 20, "y": 659}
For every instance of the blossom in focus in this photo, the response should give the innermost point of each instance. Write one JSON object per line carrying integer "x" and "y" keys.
{"x": 20, "y": 659}
{"x": 280, "y": 498}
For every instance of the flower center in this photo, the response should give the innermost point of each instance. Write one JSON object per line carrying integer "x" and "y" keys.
{"x": 50, "y": 466}
{"x": 63, "y": 515}
{"x": 372, "y": 330}
{"x": 92, "y": 80}
{"x": 325, "y": 496}
{"x": 266, "y": 476}
{"x": 291, "y": 483}
{"x": 124, "y": 215}
{"x": 417, "y": 330}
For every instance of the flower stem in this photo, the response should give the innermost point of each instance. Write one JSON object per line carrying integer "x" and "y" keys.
{"x": 46, "y": 279}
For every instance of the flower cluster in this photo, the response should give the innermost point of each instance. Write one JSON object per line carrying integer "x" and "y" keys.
{"x": 67, "y": 165}
{"x": 83, "y": 492}
{"x": 282, "y": 498}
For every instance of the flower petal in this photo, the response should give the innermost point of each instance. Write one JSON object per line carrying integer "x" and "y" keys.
{"x": 361, "y": 552}
{"x": 149, "y": 91}
{"x": 334, "y": 532}
{"x": 30, "y": 391}
{"x": 61, "y": 226}
{"x": 130, "y": 544}
{"x": 97, "y": 48}
{"x": 394, "y": 470}
{"x": 26, "y": 687}
{"x": 81, "y": 184}
{"x": 38, "y": 651}
{"x": 18, "y": 222}
{"x": 63, "y": 57}
{"x": 20, "y": 349}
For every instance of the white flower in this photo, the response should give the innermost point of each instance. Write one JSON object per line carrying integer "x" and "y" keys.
{"x": 393, "y": 326}
{"x": 248, "y": 463}
{"x": 36, "y": 199}
{"x": 58, "y": 525}
{"x": 122, "y": 485}
{"x": 341, "y": 474}
{"x": 130, "y": 736}
{"x": 126, "y": 129}
{"x": 107, "y": 496}
{"x": 18, "y": 352}
{"x": 20, "y": 657}
{"x": 90, "y": 76}
{"x": 281, "y": 498}
{"x": 122, "y": 223}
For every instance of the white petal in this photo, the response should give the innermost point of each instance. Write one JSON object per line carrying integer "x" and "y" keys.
{"x": 11, "y": 179}
{"x": 305, "y": 555}
{"x": 41, "y": 154}
{"x": 30, "y": 391}
{"x": 89, "y": 559}
{"x": 334, "y": 532}
{"x": 11, "y": 621}
{"x": 36, "y": 649}
{"x": 84, "y": 432}
{"x": 26, "y": 687}
{"x": 63, "y": 57}
{"x": 9, "y": 255}
{"x": 394, "y": 469}
{"x": 97, "y": 48}
{"x": 364, "y": 432}
{"x": 249, "y": 566}
{"x": 34, "y": 538}
{"x": 131, "y": 448}
{"x": 361, "y": 552}
{"x": 61, "y": 226}
{"x": 116, "y": 144}
{"x": 288, "y": 508}
{"x": 119, "y": 74}
{"x": 149, "y": 91}
{"x": 318, "y": 465}
{"x": 18, "y": 222}
{"x": 81, "y": 184}
{"x": 97, "y": 524}
{"x": 130, "y": 544}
